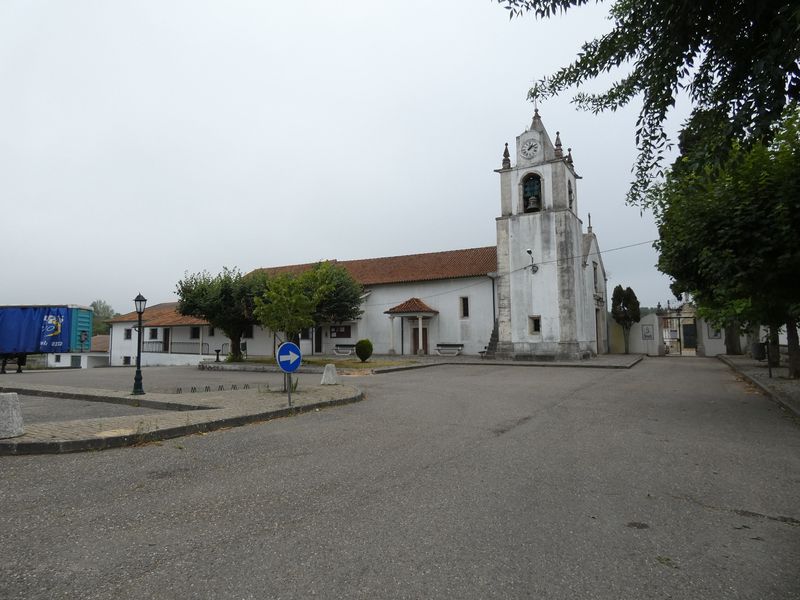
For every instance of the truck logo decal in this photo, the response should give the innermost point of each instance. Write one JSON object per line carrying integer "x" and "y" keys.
{"x": 52, "y": 325}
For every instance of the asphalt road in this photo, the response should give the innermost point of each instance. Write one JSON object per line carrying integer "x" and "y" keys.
{"x": 670, "y": 480}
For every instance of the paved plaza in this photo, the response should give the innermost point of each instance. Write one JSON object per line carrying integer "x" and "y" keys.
{"x": 673, "y": 479}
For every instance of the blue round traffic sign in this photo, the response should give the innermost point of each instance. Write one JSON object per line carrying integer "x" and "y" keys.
{"x": 289, "y": 357}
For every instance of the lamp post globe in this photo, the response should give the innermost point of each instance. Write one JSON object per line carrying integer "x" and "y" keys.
{"x": 140, "y": 302}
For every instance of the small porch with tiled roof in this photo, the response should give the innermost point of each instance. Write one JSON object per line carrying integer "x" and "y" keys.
{"x": 413, "y": 308}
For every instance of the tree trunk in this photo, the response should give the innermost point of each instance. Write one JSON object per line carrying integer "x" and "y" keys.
{"x": 794, "y": 349}
{"x": 236, "y": 348}
{"x": 773, "y": 347}
{"x": 733, "y": 342}
{"x": 626, "y": 334}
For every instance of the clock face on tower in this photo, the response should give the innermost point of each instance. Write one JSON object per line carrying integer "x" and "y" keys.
{"x": 529, "y": 148}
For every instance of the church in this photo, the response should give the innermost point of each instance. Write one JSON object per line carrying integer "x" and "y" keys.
{"x": 539, "y": 294}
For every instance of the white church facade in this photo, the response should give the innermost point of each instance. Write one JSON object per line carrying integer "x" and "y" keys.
{"x": 540, "y": 293}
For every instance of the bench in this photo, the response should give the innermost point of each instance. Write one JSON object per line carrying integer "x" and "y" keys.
{"x": 344, "y": 349}
{"x": 449, "y": 349}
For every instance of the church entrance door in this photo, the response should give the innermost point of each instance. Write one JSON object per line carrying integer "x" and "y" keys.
{"x": 415, "y": 340}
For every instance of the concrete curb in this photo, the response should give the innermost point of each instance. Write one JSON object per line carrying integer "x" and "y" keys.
{"x": 483, "y": 363}
{"x": 127, "y": 400}
{"x": 774, "y": 395}
{"x": 13, "y": 447}
{"x": 587, "y": 364}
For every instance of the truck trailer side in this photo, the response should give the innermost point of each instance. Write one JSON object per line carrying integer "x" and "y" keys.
{"x": 43, "y": 330}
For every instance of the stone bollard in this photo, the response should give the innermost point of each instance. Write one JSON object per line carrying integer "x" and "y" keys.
{"x": 329, "y": 376}
{"x": 10, "y": 416}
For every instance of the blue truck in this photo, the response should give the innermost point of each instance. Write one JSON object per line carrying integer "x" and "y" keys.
{"x": 39, "y": 329}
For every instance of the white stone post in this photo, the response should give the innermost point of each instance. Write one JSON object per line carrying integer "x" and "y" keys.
{"x": 329, "y": 376}
{"x": 10, "y": 416}
{"x": 391, "y": 335}
{"x": 420, "y": 349}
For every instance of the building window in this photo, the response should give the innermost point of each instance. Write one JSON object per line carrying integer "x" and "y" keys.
{"x": 594, "y": 268}
{"x": 126, "y": 360}
{"x": 535, "y": 325}
{"x": 128, "y": 333}
{"x": 570, "y": 193}
{"x": 154, "y": 333}
{"x": 248, "y": 332}
{"x": 194, "y": 333}
{"x": 464, "y": 307}
{"x": 340, "y": 331}
{"x": 532, "y": 193}
{"x": 58, "y": 358}
{"x": 211, "y": 332}
{"x": 305, "y": 334}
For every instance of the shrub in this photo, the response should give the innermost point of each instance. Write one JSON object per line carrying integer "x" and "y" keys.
{"x": 363, "y": 349}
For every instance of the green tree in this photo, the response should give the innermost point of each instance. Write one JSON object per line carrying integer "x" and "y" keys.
{"x": 285, "y": 306}
{"x": 625, "y": 311}
{"x": 729, "y": 235}
{"x": 736, "y": 61}
{"x": 225, "y": 300}
{"x": 326, "y": 293}
{"x": 337, "y": 296}
{"x": 102, "y": 312}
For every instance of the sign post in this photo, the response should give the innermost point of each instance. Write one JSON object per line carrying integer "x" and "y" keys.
{"x": 289, "y": 359}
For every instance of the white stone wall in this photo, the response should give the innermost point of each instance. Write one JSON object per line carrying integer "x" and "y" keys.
{"x": 591, "y": 310}
{"x": 119, "y": 347}
{"x": 163, "y": 359}
{"x": 88, "y": 360}
{"x": 533, "y": 294}
{"x": 446, "y": 327}
{"x": 713, "y": 340}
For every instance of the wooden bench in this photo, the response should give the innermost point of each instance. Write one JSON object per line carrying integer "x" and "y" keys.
{"x": 449, "y": 349}
{"x": 344, "y": 349}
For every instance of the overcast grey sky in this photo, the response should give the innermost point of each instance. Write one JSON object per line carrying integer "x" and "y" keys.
{"x": 140, "y": 140}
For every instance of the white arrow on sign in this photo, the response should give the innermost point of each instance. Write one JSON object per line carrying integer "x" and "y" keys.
{"x": 291, "y": 357}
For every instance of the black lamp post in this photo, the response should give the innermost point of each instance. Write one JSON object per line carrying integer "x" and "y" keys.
{"x": 140, "y": 302}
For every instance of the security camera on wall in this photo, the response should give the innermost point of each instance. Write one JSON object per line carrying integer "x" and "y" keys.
{"x": 529, "y": 251}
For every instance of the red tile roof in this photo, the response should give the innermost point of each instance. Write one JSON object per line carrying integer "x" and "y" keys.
{"x": 412, "y": 305}
{"x": 160, "y": 315}
{"x": 100, "y": 343}
{"x": 451, "y": 264}
{"x": 432, "y": 266}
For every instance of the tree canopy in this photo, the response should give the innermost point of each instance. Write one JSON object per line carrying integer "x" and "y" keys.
{"x": 625, "y": 310}
{"x": 336, "y": 294}
{"x": 738, "y": 62}
{"x": 728, "y": 235}
{"x": 231, "y": 301}
{"x": 326, "y": 293}
{"x": 285, "y": 306}
{"x": 225, "y": 300}
{"x": 101, "y": 312}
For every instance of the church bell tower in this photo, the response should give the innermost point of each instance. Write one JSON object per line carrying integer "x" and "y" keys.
{"x": 544, "y": 309}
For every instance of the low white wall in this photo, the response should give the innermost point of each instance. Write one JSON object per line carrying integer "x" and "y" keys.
{"x": 159, "y": 359}
{"x": 88, "y": 360}
{"x": 645, "y": 336}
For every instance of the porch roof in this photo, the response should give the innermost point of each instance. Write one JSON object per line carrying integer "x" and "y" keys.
{"x": 412, "y": 306}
